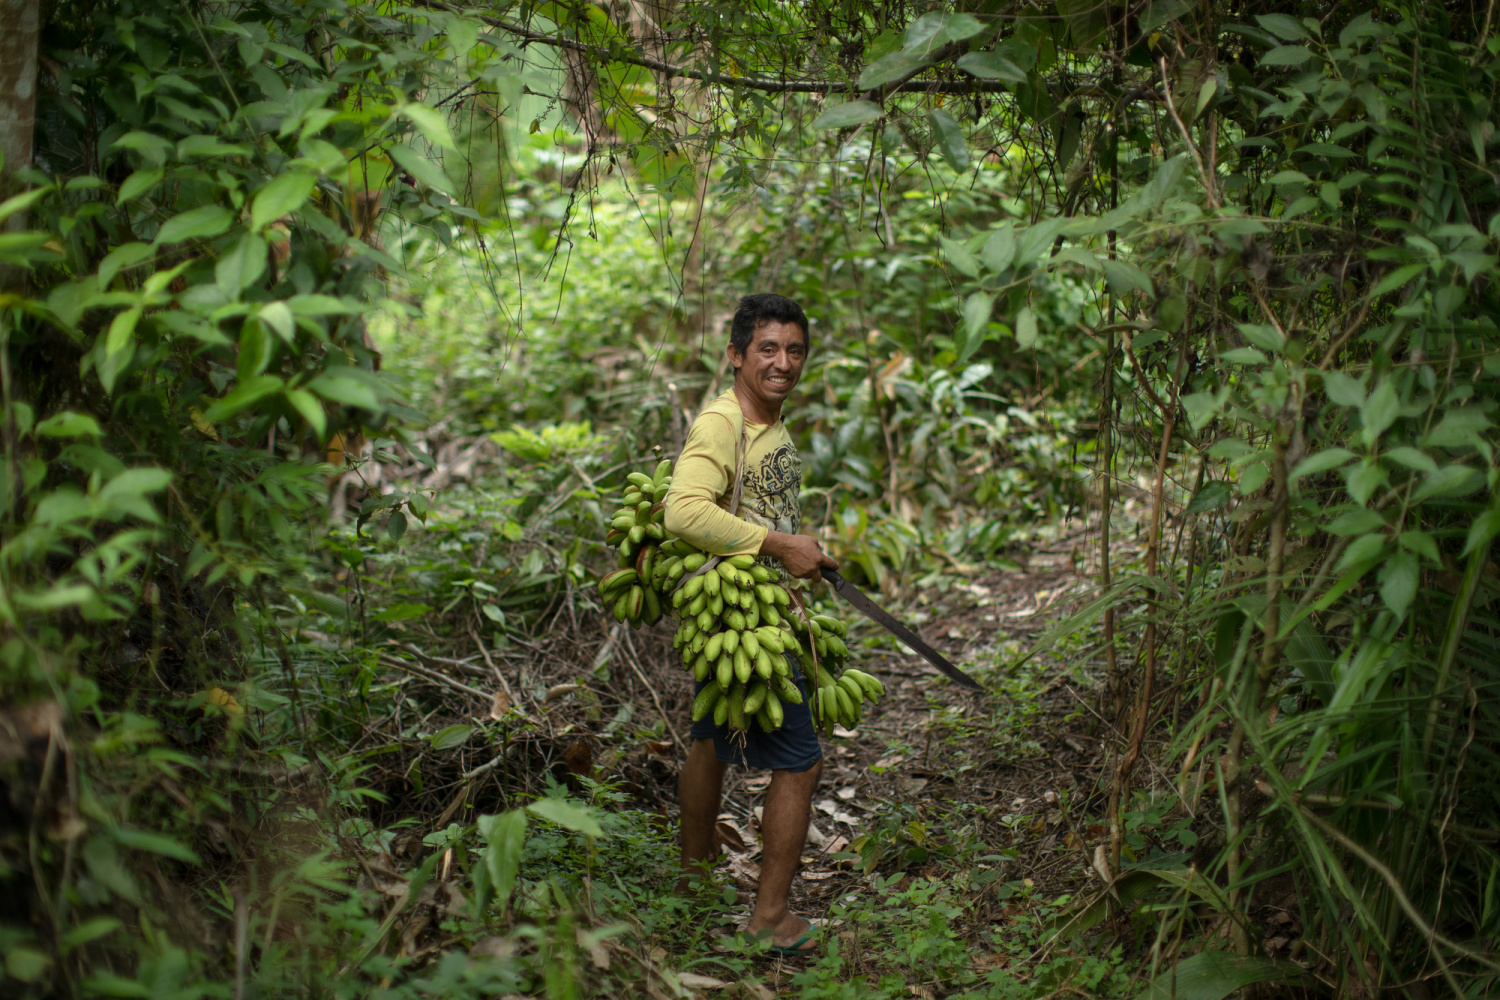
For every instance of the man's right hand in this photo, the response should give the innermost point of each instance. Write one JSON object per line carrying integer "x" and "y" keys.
{"x": 800, "y": 554}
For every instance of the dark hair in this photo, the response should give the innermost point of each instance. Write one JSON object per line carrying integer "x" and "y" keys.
{"x": 765, "y": 307}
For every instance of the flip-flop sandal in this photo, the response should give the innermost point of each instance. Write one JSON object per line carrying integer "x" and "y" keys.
{"x": 795, "y": 948}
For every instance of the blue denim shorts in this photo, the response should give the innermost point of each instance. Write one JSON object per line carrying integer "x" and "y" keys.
{"x": 794, "y": 747}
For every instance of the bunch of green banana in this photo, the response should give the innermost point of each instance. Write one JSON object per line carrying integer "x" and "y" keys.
{"x": 736, "y": 622}
{"x": 732, "y": 635}
{"x": 638, "y": 531}
{"x": 840, "y": 700}
{"x": 822, "y": 640}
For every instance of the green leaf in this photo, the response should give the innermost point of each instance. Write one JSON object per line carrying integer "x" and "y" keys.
{"x": 123, "y": 256}
{"x": 960, "y": 256}
{"x": 243, "y": 395}
{"x": 395, "y": 526}
{"x": 977, "y": 309}
{"x": 1398, "y": 278}
{"x": 1287, "y": 55}
{"x": 1460, "y": 428}
{"x": 196, "y": 223}
{"x": 1026, "y": 330}
{"x": 991, "y": 66}
{"x": 566, "y": 814}
{"x": 1125, "y": 278}
{"x": 1399, "y": 575}
{"x": 1343, "y": 390}
{"x": 1449, "y": 481}
{"x": 887, "y": 69}
{"x": 402, "y": 612}
{"x": 429, "y": 172}
{"x": 932, "y": 31}
{"x": 999, "y": 249}
{"x": 307, "y": 404}
{"x": 254, "y": 351}
{"x": 431, "y": 123}
{"x": 339, "y": 385}
{"x": 1331, "y": 458}
{"x": 1211, "y": 496}
{"x": 22, "y": 202}
{"x": 283, "y": 195}
{"x": 1411, "y": 458}
{"x": 278, "y": 316}
{"x": 1288, "y": 177}
{"x": 122, "y": 331}
{"x": 1379, "y": 411}
{"x": 1421, "y": 543}
{"x": 1484, "y": 529}
{"x": 157, "y": 843}
{"x": 1213, "y": 975}
{"x": 69, "y": 424}
{"x": 949, "y": 135}
{"x": 1244, "y": 356}
{"x": 89, "y": 930}
{"x": 450, "y": 737}
{"x": 152, "y": 148}
{"x": 1264, "y": 336}
{"x": 1283, "y": 26}
{"x": 139, "y": 183}
{"x": 241, "y": 265}
{"x": 322, "y": 305}
{"x": 506, "y": 834}
{"x": 1161, "y": 12}
{"x": 1361, "y": 521}
{"x": 848, "y": 115}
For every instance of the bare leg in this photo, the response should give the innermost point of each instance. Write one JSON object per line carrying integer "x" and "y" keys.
{"x": 698, "y": 789}
{"x": 784, "y": 831}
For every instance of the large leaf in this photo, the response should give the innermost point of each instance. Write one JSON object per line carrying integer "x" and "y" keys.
{"x": 566, "y": 814}
{"x": 425, "y": 170}
{"x": 282, "y": 196}
{"x": 948, "y": 134}
{"x": 1213, "y": 975}
{"x": 991, "y": 66}
{"x": 976, "y": 324}
{"x": 195, "y": 223}
{"x": 848, "y": 115}
{"x": 888, "y": 69}
{"x": 931, "y": 32}
{"x": 431, "y": 123}
{"x": 506, "y": 834}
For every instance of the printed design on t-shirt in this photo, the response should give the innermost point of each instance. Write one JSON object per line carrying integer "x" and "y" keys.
{"x": 772, "y": 490}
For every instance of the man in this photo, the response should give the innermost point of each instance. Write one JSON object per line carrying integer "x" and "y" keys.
{"x": 768, "y": 345}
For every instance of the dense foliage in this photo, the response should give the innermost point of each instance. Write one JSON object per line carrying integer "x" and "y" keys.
{"x": 1226, "y": 270}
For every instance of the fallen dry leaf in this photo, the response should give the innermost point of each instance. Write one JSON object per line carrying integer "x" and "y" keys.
{"x": 837, "y": 844}
{"x": 744, "y": 872}
{"x": 556, "y": 691}
{"x": 816, "y": 837}
{"x": 598, "y": 954}
{"x": 729, "y": 835}
{"x": 579, "y": 758}
{"x": 660, "y": 749}
{"x": 499, "y": 705}
{"x": 694, "y": 981}
{"x": 846, "y": 793}
{"x": 817, "y": 876}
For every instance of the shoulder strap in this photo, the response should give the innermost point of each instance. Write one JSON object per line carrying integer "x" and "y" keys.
{"x": 739, "y": 465}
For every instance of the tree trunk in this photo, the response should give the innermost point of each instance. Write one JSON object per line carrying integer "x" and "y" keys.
{"x": 20, "y": 22}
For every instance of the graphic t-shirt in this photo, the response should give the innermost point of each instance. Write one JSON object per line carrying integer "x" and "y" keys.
{"x": 703, "y": 482}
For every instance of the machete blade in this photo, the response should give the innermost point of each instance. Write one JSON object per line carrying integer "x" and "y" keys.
{"x": 885, "y": 620}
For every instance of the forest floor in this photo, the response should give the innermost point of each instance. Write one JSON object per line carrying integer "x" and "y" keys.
{"x": 952, "y": 831}
{"x": 987, "y": 796}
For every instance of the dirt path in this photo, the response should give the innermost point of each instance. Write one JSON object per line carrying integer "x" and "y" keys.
{"x": 933, "y": 758}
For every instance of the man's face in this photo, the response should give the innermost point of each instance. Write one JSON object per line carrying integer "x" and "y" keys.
{"x": 771, "y": 366}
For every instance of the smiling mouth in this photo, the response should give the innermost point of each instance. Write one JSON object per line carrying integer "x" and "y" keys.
{"x": 779, "y": 380}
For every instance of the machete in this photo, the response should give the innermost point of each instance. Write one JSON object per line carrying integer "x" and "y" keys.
{"x": 881, "y": 617}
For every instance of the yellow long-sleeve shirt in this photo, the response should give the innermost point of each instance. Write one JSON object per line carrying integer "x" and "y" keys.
{"x": 703, "y": 482}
